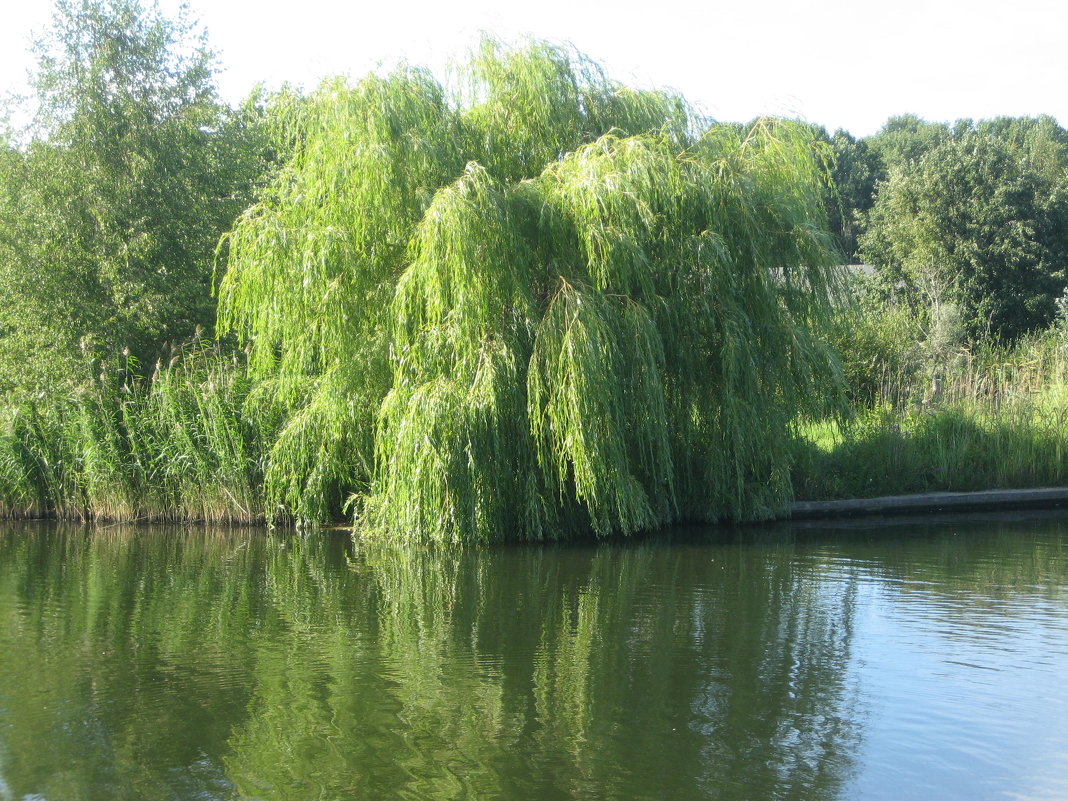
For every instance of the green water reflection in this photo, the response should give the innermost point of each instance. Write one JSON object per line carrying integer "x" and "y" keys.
{"x": 181, "y": 664}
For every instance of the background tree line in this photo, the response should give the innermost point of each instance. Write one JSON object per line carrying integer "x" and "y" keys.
{"x": 970, "y": 215}
{"x": 113, "y": 199}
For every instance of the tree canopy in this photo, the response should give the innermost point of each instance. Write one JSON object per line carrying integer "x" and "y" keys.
{"x": 533, "y": 302}
{"x": 111, "y": 210}
{"x": 979, "y": 221}
{"x": 856, "y": 170}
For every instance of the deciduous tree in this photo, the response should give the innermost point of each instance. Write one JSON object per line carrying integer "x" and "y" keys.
{"x": 551, "y": 304}
{"x": 112, "y": 210}
{"x": 979, "y": 223}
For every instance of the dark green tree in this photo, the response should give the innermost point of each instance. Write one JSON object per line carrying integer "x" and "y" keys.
{"x": 904, "y": 139}
{"x": 856, "y": 169}
{"x": 975, "y": 223}
{"x": 112, "y": 211}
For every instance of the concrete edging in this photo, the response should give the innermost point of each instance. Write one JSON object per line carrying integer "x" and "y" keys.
{"x": 1042, "y": 498}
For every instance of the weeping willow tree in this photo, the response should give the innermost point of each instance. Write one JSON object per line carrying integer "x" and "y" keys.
{"x": 534, "y": 304}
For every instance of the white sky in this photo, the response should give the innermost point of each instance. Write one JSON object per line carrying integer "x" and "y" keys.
{"x": 839, "y": 63}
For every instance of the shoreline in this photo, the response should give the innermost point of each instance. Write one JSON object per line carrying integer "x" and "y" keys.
{"x": 913, "y": 504}
{"x": 931, "y": 502}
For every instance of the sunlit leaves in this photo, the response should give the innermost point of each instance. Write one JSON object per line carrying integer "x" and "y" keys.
{"x": 553, "y": 303}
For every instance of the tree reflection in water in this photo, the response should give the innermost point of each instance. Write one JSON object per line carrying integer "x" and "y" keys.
{"x": 179, "y": 664}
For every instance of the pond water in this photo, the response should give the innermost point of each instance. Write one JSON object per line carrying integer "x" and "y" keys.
{"x": 917, "y": 660}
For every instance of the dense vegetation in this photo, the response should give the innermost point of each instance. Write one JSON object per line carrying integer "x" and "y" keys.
{"x": 528, "y": 302}
{"x": 969, "y": 220}
{"x": 111, "y": 208}
{"x": 536, "y": 310}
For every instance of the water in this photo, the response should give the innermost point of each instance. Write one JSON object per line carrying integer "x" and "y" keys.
{"x": 912, "y": 661}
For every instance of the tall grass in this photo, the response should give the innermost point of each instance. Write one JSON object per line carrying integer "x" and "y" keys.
{"x": 181, "y": 444}
{"x": 995, "y": 418}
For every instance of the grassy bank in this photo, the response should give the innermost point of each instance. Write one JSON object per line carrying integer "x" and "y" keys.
{"x": 194, "y": 439}
{"x": 954, "y": 421}
{"x": 181, "y": 444}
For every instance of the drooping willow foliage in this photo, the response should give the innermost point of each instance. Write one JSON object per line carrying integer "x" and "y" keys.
{"x": 538, "y": 304}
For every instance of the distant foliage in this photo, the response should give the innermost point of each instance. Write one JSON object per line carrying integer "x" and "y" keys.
{"x": 857, "y": 168}
{"x": 980, "y": 221}
{"x": 904, "y": 140}
{"x": 536, "y": 303}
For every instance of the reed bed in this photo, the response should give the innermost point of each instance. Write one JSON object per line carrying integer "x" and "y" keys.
{"x": 997, "y": 418}
{"x": 183, "y": 444}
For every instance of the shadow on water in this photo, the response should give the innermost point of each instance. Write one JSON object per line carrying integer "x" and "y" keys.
{"x": 162, "y": 663}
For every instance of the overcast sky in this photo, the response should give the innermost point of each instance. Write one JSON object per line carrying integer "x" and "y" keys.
{"x": 839, "y": 63}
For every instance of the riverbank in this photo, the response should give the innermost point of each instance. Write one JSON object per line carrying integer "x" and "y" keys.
{"x": 932, "y": 502}
{"x": 192, "y": 443}
{"x": 965, "y": 422}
